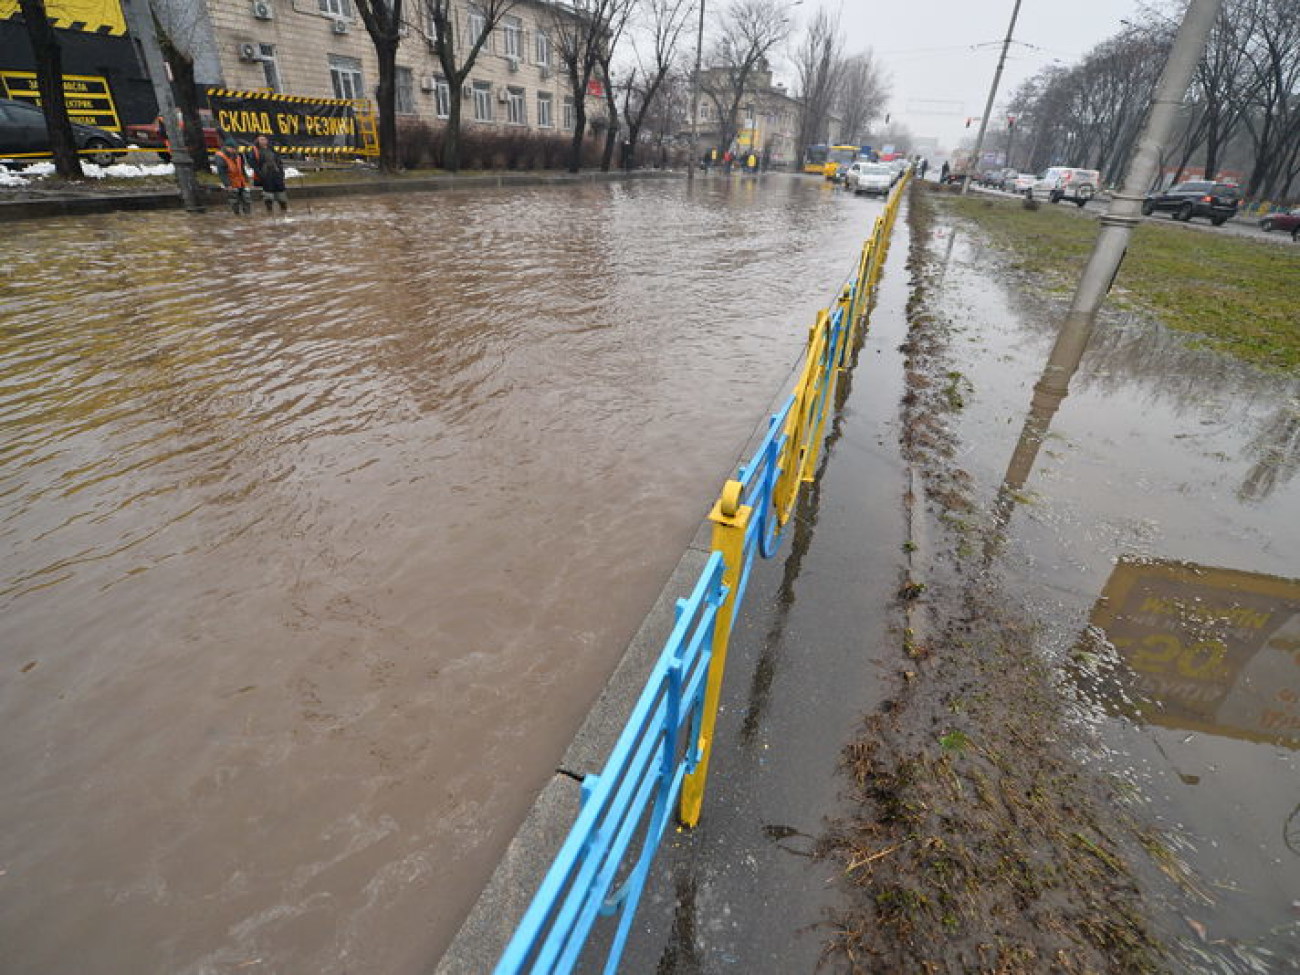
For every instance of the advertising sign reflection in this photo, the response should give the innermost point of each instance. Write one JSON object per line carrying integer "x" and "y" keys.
{"x": 1215, "y": 650}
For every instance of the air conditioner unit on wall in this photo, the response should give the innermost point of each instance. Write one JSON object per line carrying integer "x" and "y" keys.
{"x": 339, "y": 26}
{"x": 263, "y": 10}
{"x": 512, "y": 62}
{"x": 428, "y": 83}
{"x": 546, "y": 71}
{"x": 248, "y": 52}
{"x": 503, "y": 95}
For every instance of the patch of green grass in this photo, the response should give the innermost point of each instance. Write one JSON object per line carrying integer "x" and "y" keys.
{"x": 1235, "y": 295}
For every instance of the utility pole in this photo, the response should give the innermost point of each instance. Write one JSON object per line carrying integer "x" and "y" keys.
{"x": 695, "y": 100}
{"x": 988, "y": 106}
{"x": 1112, "y": 239}
{"x": 139, "y": 18}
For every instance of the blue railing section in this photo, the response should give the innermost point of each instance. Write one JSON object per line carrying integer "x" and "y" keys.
{"x": 602, "y": 867}
{"x": 634, "y": 794}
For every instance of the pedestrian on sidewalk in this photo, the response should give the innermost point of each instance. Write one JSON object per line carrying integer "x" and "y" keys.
{"x": 234, "y": 177}
{"x": 268, "y": 173}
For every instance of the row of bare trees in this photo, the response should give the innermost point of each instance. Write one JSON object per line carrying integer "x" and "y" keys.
{"x": 637, "y": 52}
{"x": 1242, "y": 112}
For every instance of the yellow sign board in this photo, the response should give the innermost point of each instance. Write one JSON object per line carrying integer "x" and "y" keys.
{"x": 1215, "y": 650}
{"x": 88, "y": 97}
{"x": 87, "y": 16}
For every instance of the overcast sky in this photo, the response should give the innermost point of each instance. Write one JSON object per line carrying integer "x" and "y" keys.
{"x": 941, "y": 54}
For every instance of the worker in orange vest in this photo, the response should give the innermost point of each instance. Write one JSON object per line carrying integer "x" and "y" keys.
{"x": 234, "y": 177}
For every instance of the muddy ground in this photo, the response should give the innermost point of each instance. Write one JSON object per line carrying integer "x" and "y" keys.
{"x": 984, "y": 841}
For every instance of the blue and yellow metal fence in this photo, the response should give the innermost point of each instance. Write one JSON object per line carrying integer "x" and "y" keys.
{"x": 661, "y": 758}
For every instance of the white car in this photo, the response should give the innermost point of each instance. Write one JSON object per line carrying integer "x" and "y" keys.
{"x": 1022, "y": 182}
{"x": 870, "y": 178}
{"x": 1066, "y": 183}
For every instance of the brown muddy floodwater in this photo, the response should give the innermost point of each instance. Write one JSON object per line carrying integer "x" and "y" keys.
{"x": 321, "y": 535}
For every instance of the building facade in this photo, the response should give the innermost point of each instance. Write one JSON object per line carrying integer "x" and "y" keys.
{"x": 320, "y": 48}
{"x": 767, "y": 123}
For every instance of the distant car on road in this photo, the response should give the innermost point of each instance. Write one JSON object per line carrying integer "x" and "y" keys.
{"x": 1196, "y": 198}
{"x": 1022, "y": 182}
{"x": 23, "y": 134}
{"x": 1066, "y": 183}
{"x": 868, "y": 177}
{"x": 1288, "y": 221}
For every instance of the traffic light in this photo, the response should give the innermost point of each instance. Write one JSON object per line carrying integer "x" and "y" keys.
{"x": 968, "y": 123}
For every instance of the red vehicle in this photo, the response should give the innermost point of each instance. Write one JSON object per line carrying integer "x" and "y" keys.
{"x": 149, "y": 135}
{"x": 1286, "y": 222}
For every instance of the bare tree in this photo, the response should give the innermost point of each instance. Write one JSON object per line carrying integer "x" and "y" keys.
{"x": 1273, "y": 113}
{"x": 49, "y": 82}
{"x": 178, "y": 25}
{"x": 604, "y": 58}
{"x": 747, "y": 32}
{"x": 863, "y": 93}
{"x": 581, "y": 32}
{"x": 660, "y": 34}
{"x": 818, "y": 62}
{"x": 383, "y": 20}
{"x": 439, "y": 30}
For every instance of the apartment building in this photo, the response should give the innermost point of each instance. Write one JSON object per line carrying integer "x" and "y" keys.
{"x": 320, "y": 48}
{"x": 767, "y": 122}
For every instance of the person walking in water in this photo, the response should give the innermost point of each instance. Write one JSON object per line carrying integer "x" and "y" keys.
{"x": 268, "y": 173}
{"x": 233, "y": 176}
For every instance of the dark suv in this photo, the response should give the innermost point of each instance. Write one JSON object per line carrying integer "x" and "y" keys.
{"x": 1199, "y": 198}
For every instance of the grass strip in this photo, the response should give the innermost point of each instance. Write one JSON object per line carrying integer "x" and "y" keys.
{"x": 1233, "y": 294}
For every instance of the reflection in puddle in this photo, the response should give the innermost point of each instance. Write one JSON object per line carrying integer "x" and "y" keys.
{"x": 1212, "y": 650}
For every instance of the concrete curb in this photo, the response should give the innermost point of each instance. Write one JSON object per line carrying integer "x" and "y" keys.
{"x": 214, "y": 197}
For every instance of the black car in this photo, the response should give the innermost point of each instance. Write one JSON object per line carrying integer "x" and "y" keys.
{"x": 23, "y": 133}
{"x": 1198, "y": 198}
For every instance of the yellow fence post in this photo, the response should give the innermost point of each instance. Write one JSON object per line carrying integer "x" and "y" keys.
{"x": 730, "y": 522}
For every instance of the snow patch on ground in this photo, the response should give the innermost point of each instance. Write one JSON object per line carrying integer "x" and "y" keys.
{"x": 40, "y": 170}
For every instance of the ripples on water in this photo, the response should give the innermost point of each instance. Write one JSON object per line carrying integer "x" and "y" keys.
{"x": 321, "y": 534}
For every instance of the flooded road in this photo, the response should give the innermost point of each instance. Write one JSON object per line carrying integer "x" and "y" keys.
{"x": 1155, "y": 536}
{"x": 321, "y": 535}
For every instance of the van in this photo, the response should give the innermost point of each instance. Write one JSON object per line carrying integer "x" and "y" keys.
{"x": 1066, "y": 183}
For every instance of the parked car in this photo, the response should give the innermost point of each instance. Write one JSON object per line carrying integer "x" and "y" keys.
{"x": 1066, "y": 183}
{"x": 1022, "y": 182}
{"x": 149, "y": 135}
{"x": 23, "y": 133}
{"x": 868, "y": 177}
{"x": 1196, "y": 198}
{"x": 1288, "y": 221}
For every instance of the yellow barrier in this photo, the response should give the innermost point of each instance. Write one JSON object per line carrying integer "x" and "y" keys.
{"x": 801, "y": 435}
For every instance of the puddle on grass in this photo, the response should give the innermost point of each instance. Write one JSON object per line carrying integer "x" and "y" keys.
{"x": 1155, "y": 512}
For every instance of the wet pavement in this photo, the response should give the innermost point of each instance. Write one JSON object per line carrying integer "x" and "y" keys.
{"x": 1154, "y": 535}
{"x": 813, "y": 650}
{"x": 322, "y": 534}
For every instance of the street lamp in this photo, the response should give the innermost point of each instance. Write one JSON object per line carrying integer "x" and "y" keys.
{"x": 695, "y": 100}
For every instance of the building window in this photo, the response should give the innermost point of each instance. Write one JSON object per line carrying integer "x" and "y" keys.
{"x": 345, "y": 73}
{"x": 570, "y": 113}
{"x": 442, "y": 97}
{"x": 482, "y": 101}
{"x": 516, "y": 110}
{"x": 270, "y": 67}
{"x": 405, "y": 92}
{"x": 477, "y": 26}
{"x": 336, "y": 8}
{"x": 512, "y": 36}
{"x": 545, "y": 110}
{"x": 542, "y": 49}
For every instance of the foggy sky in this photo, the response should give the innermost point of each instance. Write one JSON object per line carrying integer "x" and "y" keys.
{"x": 941, "y": 54}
